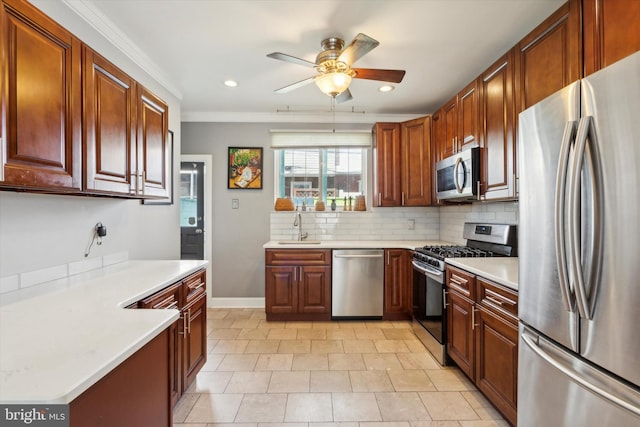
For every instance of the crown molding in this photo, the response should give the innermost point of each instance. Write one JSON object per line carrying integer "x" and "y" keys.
{"x": 103, "y": 25}
{"x": 293, "y": 117}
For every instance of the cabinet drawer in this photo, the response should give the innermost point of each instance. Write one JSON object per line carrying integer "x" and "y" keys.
{"x": 498, "y": 299}
{"x": 298, "y": 257}
{"x": 461, "y": 281}
{"x": 194, "y": 286}
{"x": 167, "y": 298}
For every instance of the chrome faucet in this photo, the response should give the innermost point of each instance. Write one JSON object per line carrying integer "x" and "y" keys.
{"x": 298, "y": 223}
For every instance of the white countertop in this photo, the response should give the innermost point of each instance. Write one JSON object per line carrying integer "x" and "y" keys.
{"x": 54, "y": 346}
{"x": 351, "y": 244}
{"x": 502, "y": 270}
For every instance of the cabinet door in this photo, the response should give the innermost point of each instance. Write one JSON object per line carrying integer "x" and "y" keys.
{"x": 397, "y": 286}
{"x": 449, "y": 143}
{"x": 497, "y": 361}
{"x": 548, "y": 58}
{"x": 194, "y": 351}
{"x": 611, "y": 32}
{"x": 314, "y": 290}
{"x": 281, "y": 293}
{"x": 460, "y": 328}
{"x": 386, "y": 163}
{"x": 416, "y": 162}
{"x": 498, "y": 138}
{"x": 41, "y": 104}
{"x": 175, "y": 361}
{"x": 109, "y": 127}
{"x": 468, "y": 117}
{"x": 154, "y": 153}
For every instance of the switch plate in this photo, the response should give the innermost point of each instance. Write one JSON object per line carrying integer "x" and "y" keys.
{"x": 235, "y": 203}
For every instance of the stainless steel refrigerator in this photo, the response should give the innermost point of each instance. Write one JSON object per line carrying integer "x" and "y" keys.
{"x": 579, "y": 246}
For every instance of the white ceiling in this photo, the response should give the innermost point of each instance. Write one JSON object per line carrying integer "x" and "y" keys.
{"x": 192, "y": 46}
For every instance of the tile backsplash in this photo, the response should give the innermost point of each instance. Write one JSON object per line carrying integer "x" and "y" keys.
{"x": 432, "y": 223}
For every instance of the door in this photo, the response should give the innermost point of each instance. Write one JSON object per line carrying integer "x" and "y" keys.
{"x": 192, "y": 210}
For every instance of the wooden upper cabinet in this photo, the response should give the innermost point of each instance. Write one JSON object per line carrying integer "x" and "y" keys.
{"x": 498, "y": 130}
{"x": 41, "y": 102}
{"x": 154, "y": 153}
{"x": 468, "y": 117}
{"x": 448, "y": 143}
{"x": 548, "y": 58}
{"x": 415, "y": 143}
{"x": 611, "y": 32}
{"x": 109, "y": 127}
{"x": 386, "y": 144}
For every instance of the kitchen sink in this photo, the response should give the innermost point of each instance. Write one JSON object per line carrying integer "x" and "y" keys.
{"x": 299, "y": 242}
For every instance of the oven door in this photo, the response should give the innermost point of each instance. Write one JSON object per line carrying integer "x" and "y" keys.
{"x": 428, "y": 300}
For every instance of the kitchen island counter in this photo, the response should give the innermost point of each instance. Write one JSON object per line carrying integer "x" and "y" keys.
{"x": 60, "y": 339}
{"x": 502, "y": 270}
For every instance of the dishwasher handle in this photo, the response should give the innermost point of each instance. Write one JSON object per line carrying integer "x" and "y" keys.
{"x": 359, "y": 256}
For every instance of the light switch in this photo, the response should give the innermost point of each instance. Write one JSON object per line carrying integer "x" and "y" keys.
{"x": 235, "y": 203}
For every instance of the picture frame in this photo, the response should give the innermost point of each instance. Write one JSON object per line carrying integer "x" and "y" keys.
{"x": 169, "y": 200}
{"x": 244, "y": 168}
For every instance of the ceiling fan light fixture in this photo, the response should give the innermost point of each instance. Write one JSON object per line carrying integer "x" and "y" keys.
{"x": 333, "y": 84}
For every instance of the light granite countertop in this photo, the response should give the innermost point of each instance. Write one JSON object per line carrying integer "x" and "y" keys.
{"x": 56, "y": 345}
{"x": 350, "y": 244}
{"x": 502, "y": 270}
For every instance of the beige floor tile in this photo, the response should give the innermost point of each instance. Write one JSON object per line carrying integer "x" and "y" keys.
{"x": 306, "y": 407}
{"x": 215, "y": 408}
{"x": 289, "y": 382}
{"x": 381, "y": 361}
{"x": 230, "y": 346}
{"x": 312, "y": 334}
{"x": 245, "y": 323}
{"x": 390, "y": 346}
{"x": 221, "y": 323}
{"x": 397, "y": 334}
{"x": 223, "y": 334}
{"x": 258, "y": 314}
{"x": 184, "y": 406}
{"x": 370, "y": 381}
{"x": 239, "y": 314}
{"x": 475, "y": 398}
{"x": 488, "y": 413}
{"x": 294, "y": 346}
{"x": 450, "y": 380}
{"x": 378, "y": 324}
{"x": 211, "y": 343}
{"x": 326, "y": 346}
{"x": 213, "y": 360}
{"x": 333, "y": 424}
{"x": 418, "y": 361}
{"x": 190, "y": 425}
{"x": 326, "y": 325}
{"x": 249, "y": 382}
{"x": 253, "y": 334}
{"x": 358, "y": 346}
{"x": 231, "y": 425}
{"x": 403, "y": 324}
{"x": 274, "y": 362}
{"x": 355, "y": 407}
{"x": 385, "y": 424}
{"x": 282, "y": 334}
{"x": 216, "y": 314}
{"x": 332, "y": 382}
{"x": 238, "y": 362}
{"x": 447, "y": 405}
{"x": 310, "y": 362}
{"x": 351, "y": 324}
{"x": 341, "y": 334}
{"x": 210, "y": 382}
{"x": 434, "y": 424}
{"x": 345, "y": 362}
{"x": 262, "y": 408}
{"x": 283, "y": 425}
{"x": 410, "y": 380}
{"x": 369, "y": 334}
{"x": 406, "y": 406}
{"x": 484, "y": 423}
{"x": 271, "y": 324}
{"x": 415, "y": 346}
{"x": 299, "y": 325}
{"x": 262, "y": 346}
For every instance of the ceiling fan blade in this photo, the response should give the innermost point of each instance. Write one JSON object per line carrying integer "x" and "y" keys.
{"x": 394, "y": 76}
{"x": 296, "y": 85}
{"x": 360, "y": 46}
{"x": 288, "y": 58}
{"x": 344, "y": 97}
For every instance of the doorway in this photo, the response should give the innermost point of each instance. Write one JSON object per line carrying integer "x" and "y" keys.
{"x": 192, "y": 227}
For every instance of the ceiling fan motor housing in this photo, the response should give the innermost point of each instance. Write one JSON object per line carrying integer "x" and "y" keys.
{"x": 331, "y": 50}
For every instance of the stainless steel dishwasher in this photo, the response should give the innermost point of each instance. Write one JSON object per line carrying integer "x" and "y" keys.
{"x": 357, "y": 283}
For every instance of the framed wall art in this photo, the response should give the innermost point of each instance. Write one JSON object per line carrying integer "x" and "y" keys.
{"x": 245, "y": 168}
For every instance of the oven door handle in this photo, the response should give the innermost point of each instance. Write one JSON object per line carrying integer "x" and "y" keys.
{"x": 427, "y": 270}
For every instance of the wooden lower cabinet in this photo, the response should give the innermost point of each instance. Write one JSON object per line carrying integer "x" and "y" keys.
{"x": 194, "y": 335}
{"x": 397, "y": 285}
{"x": 482, "y": 337}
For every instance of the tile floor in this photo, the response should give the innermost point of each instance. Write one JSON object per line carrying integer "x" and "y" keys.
{"x": 325, "y": 374}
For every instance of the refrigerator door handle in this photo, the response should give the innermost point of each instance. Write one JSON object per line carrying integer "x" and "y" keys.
{"x": 560, "y": 200}
{"x": 586, "y": 133}
{"x": 624, "y": 400}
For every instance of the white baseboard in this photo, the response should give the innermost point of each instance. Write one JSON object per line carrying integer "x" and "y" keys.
{"x": 257, "y": 302}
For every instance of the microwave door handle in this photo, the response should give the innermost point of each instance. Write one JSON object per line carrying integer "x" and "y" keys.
{"x": 559, "y": 212}
{"x": 455, "y": 174}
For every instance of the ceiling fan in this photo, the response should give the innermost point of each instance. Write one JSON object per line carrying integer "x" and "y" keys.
{"x": 334, "y": 63}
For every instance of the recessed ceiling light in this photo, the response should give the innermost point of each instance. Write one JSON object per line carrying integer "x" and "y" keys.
{"x": 386, "y": 88}
{"x": 230, "y": 83}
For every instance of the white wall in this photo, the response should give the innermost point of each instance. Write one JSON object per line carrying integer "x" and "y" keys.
{"x": 39, "y": 231}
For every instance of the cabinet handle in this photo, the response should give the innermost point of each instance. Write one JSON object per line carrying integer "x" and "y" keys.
{"x": 197, "y": 287}
{"x": 172, "y": 305}
{"x": 444, "y": 299}
{"x": 456, "y": 280}
{"x": 473, "y": 318}
{"x": 402, "y": 196}
{"x": 478, "y": 190}
{"x": 143, "y": 177}
{"x": 379, "y": 199}
{"x": 189, "y": 323}
{"x": 497, "y": 301}
{"x": 184, "y": 326}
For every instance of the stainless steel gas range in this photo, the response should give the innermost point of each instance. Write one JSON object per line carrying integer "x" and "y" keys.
{"x": 429, "y": 297}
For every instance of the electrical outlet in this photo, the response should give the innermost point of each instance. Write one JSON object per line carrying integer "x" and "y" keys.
{"x": 411, "y": 224}
{"x": 235, "y": 203}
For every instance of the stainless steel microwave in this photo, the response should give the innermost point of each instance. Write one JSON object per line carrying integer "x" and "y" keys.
{"x": 457, "y": 177}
